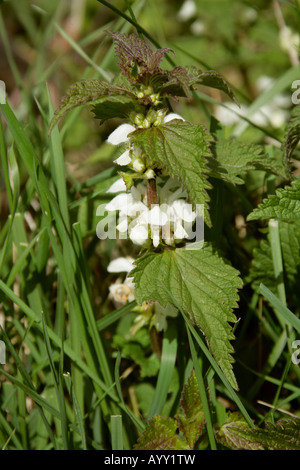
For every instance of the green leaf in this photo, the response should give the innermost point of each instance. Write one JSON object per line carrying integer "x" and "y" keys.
{"x": 180, "y": 81}
{"x": 292, "y": 136}
{"x": 284, "y": 205}
{"x": 108, "y": 107}
{"x": 136, "y": 58}
{"x": 181, "y": 149}
{"x": 235, "y": 433}
{"x": 161, "y": 434}
{"x": 233, "y": 159}
{"x": 283, "y": 435}
{"x": 203, "y": 285}
{"x": 87, "y": 92}
{"x": 210, "y": 78}
{"x": 191, "y": 420}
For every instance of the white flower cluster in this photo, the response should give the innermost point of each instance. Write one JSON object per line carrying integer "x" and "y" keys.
{"x": 172, "y": 219}
{"x": 169, "y": 220}
{"x": 132, "y": 156}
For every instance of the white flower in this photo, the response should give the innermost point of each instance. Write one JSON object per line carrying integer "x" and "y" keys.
{"x": 132, "y": 156}
{"x": 117, "y": 187}
{"x": 187, "y": 10}
{"x": 120, "y": 265}
{"x": 172, "y": 219}
{"x": 120, "y": 134}
{"x": 171, "y": 116}
{"x": 197, "y": 28}
{"x": 123, "y": 159}
{"x": 288, "y": 38}
{"x": 123, "y": 292}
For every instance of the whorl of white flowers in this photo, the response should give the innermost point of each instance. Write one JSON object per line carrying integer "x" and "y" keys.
{"x": 169, "y": 220}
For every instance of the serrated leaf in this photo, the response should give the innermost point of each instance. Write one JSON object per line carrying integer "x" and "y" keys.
{"x": 136, "y": 58}
{"x": 191, "y": 420}
{"x": 203, "y": 285}
{"x": 235, "y": 433}
{"x": 284, "y": 205}
{"x": 210, "y": 78}
{"x": 176, "y": 83}
{"x": 292, "y": 135}
{"x": 161, "y": 434}
{"x": 233, "y": 159}
{"x": 87, "y": 92}
{"x": 181, "y": 149}
{"x": 108, "y": 107}
{"x": 284, "y": 435}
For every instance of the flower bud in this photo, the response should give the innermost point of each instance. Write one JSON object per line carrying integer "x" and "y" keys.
{"x": 138, "y": 165}
{"x": 150, "y": 174}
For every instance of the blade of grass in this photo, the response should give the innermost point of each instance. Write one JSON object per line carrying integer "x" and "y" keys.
{"x": 68, "y": 351}
{"x": 280, "y": 307}
{"x": 277, "y": 258}
{"x": 116, "y": 432}
{"x": 167, "y": 364}
{"x": 29, "y": 389}
{"x": 203, "y": 396}
{"x": 58, "y": 389}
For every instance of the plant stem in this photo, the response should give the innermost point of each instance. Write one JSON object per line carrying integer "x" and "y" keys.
{"x": 151, "y": 193}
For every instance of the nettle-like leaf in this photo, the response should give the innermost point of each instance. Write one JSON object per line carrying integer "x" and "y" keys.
{"x": 209, "y": 78}
{"x": 235, "y": 433}
{"x": 284, "y": 205}
{"x": 292, "y": 135}
{"x": 233, "y": 159}
{"x": 161, "y": 434}
{"x": 181, "y": 149}
{"x": 191, "y": 420}
{"x": 93, "y": 91}
{"x": 108, "y": 107}
{"x": 140, "y": 64}
{"x": 136, "y": 58}
{"x": 203, "y": 285}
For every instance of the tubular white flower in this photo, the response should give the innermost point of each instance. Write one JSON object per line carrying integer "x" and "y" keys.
{"x": 139, "y": 234}
{"x": 120, "y": 134}
{"x": 168, "y": 221}
{"x": 123, "y": 292}
{"x": 123, "y": 159}
{"x": 171, "y": 116}
{"x": 117, "y": 187}
{"x": 120, "y": 265}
